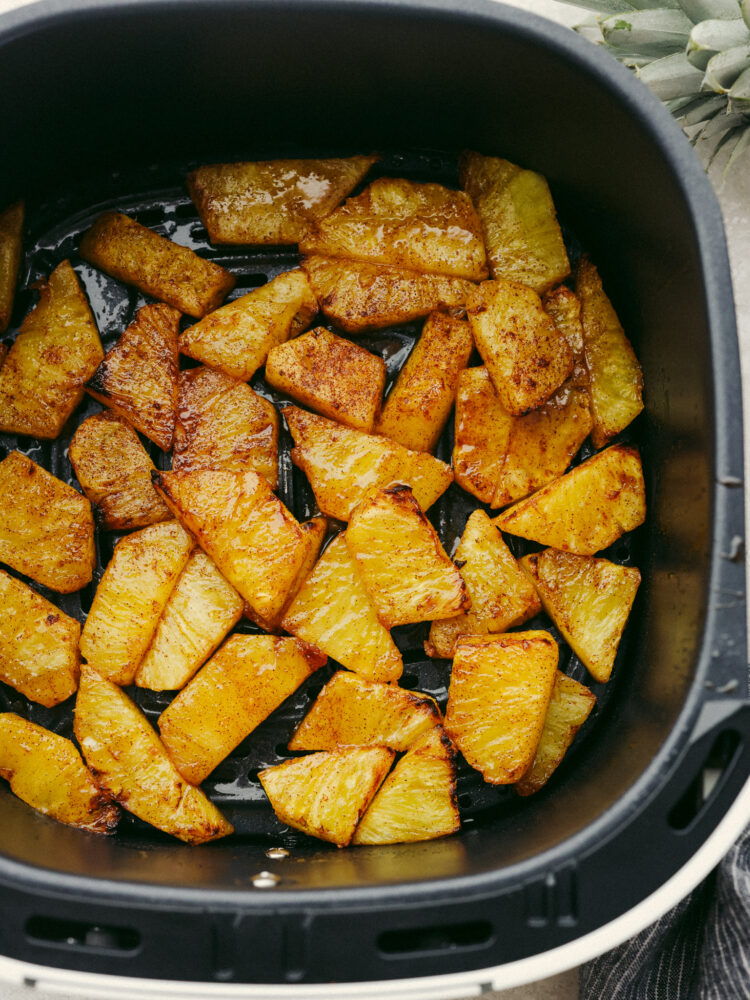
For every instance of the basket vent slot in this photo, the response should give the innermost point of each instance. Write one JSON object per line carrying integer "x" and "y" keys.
{"x": 246, "y": 283}
{"x": 702, "y": 789}
{"x": 72, "y": 934}
{"x": 426, "y": 940}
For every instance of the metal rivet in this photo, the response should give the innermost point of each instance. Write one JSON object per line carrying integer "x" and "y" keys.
{"x": 265, "y": 880}
{"x": 277, "y": 852}
{"x": 728, "y": 687}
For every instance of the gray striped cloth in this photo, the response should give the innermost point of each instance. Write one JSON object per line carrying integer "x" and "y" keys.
{"x": 700, "y": 950}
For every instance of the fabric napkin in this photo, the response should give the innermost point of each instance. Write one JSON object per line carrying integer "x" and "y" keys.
{"x": 700, "y": 950}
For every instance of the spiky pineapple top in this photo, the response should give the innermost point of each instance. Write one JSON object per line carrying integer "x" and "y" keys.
{"x": 693, "y": 54}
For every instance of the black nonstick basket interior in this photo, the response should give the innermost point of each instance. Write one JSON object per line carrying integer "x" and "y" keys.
{"x": 117, "y": 101}
{"x": 234, "y": 785}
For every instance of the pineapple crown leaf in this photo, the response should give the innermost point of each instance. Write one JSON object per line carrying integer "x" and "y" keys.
{"x": 693, "y": 54}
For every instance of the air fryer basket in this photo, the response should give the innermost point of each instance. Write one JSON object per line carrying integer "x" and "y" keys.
{"x": 114, "y": 102}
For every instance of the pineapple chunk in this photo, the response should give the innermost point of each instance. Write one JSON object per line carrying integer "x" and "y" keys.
{"x": 425, "y": 227}
{"x": 587, "y": 509}
{"x": 236, "y": 339}
{"x": 123, "y": 248}
{"x": 500, "y": 593}
{"x": 417, "y": 801}
{"x": 114, "y": 471}
{"x": 249, "y": 677}
{"x": 500, "y": 690}
{"x": 589, "y": 600}
{"x": 500, "y": 458}
{"x": 130, "y": 763}
{"x": 358, "y": 296}
{"x": 351, "y": 711}
{"x": 333, "y": 612}
{"x": 47, "y": 532}
{"x": 46, "y": 771}
{"x": 403, "y": 565}
{"x": 223, "y": 424}
{"x": 313, "y": 532}
{"x": 564, "y": 307}
{"x": 57, "y": 350}
{"x": 200, "y": 611}
{"x": 271, "y": 201}
{"x": 543, "y": 443}
{"x": 344, "y": 465}
{"x": 253, "y": 539}
{"x": 568, "y": 710}
{"x": 330, "y": 375}
{"x": 482, "y": 435}
{"x": 131, "y": 597}
{"x": 521, "y": 232}
{"x": 325, "y": 794}
{"x": 138, "y": 378}
{"x": 526, "y": 355}
{"x": 418, "y": 406}
{"x": 11, "y": 232}
{"x": 38, "y": 644}
{"x": 616, "y": 381}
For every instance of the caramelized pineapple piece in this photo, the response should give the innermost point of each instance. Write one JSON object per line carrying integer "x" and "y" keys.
{"x": 11, "y": 231}
{"x": 333, "y": 612}
{"x": 521, "y": 232}
{"x": 330, "y": 375}
{"x": 313, "y": 532}
{"x": 46, "y": 771}
{"x": 200, "y": 611}
{"x": 500, "y": 458}
{"x": 126, "y": 250}
{"x": 616, "y": 381}
{"x": 130, "y": 763}
{"x": 352, "y": 711}
{"x": 589, "y": 600}
{"x": 223, "y": 424}
{"x": 425, "y": 227}
{"x": 325, "y": 794}
{"x": 403, "y": 565}
{"x": 564, "y": 307}
{"x": 236, "y": 339}
{"x": 114, "y": 471}
{"x": 56, "y": 351}
{"x": 418, "y": 405}
{"x": 47, "y": 532}
{"x": 482, "y": 435}
{"x": 568, "y": 710}
{"x": 249, "y": 677}
{"x": 138, "y": 378}
{"x": 38, "y": 644}
{"x": 543, "y": 443}
{"x": 500, "y": 593}
{"x": 500, "y": 690}
{"x": 358, "y": 296}
{"x": 344, "y": 465}
{"x": 587, "y": 509}
{"x": 271, "y": 201}
{"x": 131, "y": 597}
{"x": 526, "y": 355}
{"x": 417, "y": 801}
{"x": 250, "y": 535}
